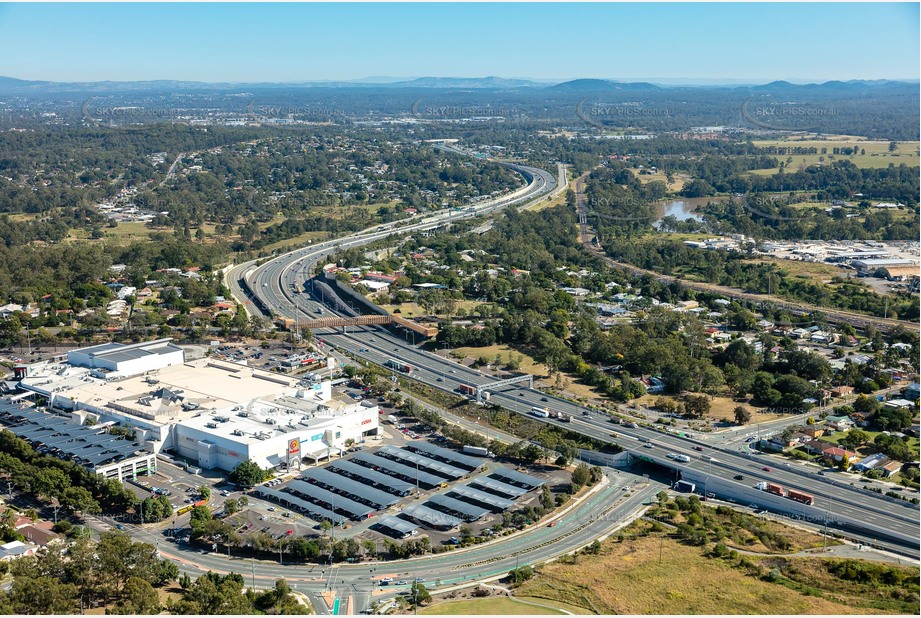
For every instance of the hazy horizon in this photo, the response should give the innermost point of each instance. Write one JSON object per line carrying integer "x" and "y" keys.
{"x": 718, "y": 43}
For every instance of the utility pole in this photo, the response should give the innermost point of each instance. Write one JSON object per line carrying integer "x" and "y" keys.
{"x": 253, "y": 563}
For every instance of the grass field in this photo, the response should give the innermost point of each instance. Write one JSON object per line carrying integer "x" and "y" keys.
{"x": 494, "y": 606}
{"x": 677, "y": 184}
{"x": 721, "y": 408}
{"x": 629, "y": 578}
{"x": 876, "y": 153}
{"x": 817, "y": 272}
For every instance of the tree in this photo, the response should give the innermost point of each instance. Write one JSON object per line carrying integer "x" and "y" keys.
{"x": 138, "y": 597}
{"x": 742, "y": 415}
{"x": 247, "y": 474}
{"x": 231, "y": 506}
{"x": 42, "y": 595}
{"x": 696, "y": 406}
{"x": 205, "y": 492}
{"x": 521, "y": 574}
{"x": 580, "y": 476}
{"x": 419, "y": 594}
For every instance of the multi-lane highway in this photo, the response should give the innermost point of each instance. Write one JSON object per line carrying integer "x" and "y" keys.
{"x": 864, "y": 515}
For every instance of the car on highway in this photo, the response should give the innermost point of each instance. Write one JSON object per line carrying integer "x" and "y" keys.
{"x": 271, "y": 509}
{"x": 671, "y": 456}
{"x": 402, "y": 582}
{"x": 119, "y": 526}
{"x": 543, "y": 399}
{"x": 698, "y": 448}
{"x": 766, "y": 469}
{"x": 552, "y": 524}
{"x": 648, "y": 445}
{"x": 739, "y": 477}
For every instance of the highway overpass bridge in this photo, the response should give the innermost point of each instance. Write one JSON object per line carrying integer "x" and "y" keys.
{"x": 362, "y": 320}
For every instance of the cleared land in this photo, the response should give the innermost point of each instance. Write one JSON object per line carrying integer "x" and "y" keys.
{"x": 628, "y": 577}
{"x": 876, "y": 153}
{"x": 495, "y": 606}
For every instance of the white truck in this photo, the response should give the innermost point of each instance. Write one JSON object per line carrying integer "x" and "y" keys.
{"x": 479, "y": 451}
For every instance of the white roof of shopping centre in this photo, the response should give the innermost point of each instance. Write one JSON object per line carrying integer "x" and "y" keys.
{"x": 205, "y": 382}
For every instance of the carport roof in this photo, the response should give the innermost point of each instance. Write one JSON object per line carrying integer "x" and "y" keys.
{"x": 499, "y": 487}
{"x": 316, "y": 512}
{"x": 443, "y": 454}
{"x": 353, "y": 488}
{"x": 396, "y": 468}
{"x": 389, "y": 483}
{"x": 465, "y": 492}
{"x": 466, "y": 510}
{"x": 437, "y": 467}
{"x": 516, "y": 478}
{"x": 431, "y": 517}
{"x": 355, "y": 509}
{"x": 398, "y": 525}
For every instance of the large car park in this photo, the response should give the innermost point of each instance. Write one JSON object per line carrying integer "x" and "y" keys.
{"x": 397, "y": 492}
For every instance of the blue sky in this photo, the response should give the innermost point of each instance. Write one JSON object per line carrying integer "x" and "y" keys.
{"x": 288, "y": 42}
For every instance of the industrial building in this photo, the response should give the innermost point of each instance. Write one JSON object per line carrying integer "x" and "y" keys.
{"x": 870, "y": 266}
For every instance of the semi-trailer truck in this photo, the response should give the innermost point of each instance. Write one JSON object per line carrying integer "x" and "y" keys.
{"x": 466, "y": 389}
{"x": 399, "y": 366}
{"x": 791, "y": 494}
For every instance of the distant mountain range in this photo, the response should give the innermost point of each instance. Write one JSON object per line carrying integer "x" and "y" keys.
{"x": 10, "y": 85}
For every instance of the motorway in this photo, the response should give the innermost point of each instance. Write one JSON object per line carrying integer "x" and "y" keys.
{"x": 295, "y": 267}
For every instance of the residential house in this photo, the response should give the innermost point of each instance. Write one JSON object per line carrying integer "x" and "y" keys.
{"x": 813, "y": 431}
{"x": 898, "y": 404}
{"x": 841, "y": 391}
{"x": 835, "y": 454}
{"x": 16, "y": 549}
{"x": 912, "y": 392}
{"x": 891, "y": 467}
{"x": 839, "y": 423}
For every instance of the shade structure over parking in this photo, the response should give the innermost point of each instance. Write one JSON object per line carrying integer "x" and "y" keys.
{"x": 308, "y": 508}
{"x": 495, "y": 486}
{"x": 455, "y": 507}
{"x": 435, "y": 467}
{"x": 377, "y": 479}
{"x": 59, "y": 436}
{"x": 430, "y": 517}
{"x": 445, "y": 455}
{"x": 329, "y": 500}
{"x": 395, "y": 527}
{"x": 481, "y": 498}
{"x": 513, "y": 477}
{"x": 360, "y": 492}
{"x": 401, "y": 471}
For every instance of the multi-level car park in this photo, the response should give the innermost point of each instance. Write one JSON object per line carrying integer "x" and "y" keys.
{"x": 394, "y": 482}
